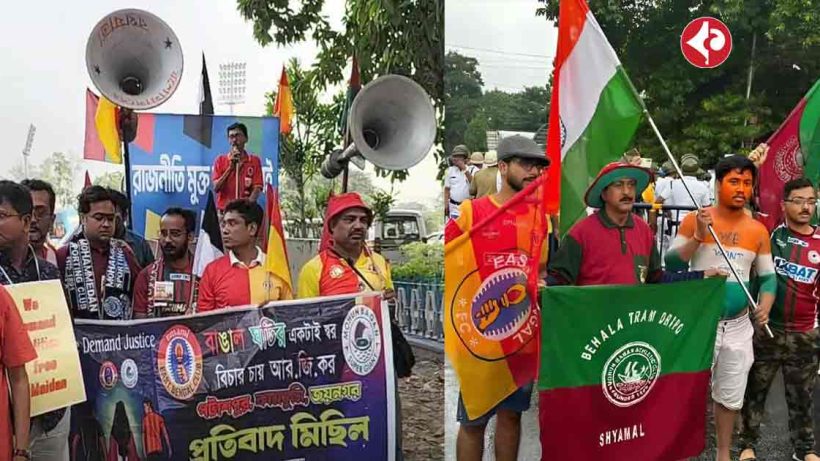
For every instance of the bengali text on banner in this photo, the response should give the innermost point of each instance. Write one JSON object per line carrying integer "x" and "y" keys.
{"x": 308, "y": 379}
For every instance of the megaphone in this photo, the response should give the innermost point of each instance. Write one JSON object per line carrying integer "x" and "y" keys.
{"x": 134, "y": 59}
{"x": 392, "y": 124}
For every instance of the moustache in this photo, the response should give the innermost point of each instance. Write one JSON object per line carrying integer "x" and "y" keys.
{"x": 627, "y": 200}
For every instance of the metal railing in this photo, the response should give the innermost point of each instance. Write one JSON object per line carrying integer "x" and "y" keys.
{"x": 666, "y": 223}
{"x": 419, "y": 308}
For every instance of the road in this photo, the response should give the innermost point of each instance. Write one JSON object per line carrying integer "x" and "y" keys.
{"x": 774, "y": 446}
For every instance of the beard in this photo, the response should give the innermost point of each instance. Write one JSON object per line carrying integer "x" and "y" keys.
{"x": 171, "y": 253}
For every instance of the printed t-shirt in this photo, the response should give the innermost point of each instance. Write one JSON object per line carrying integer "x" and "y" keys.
{"x": 746, "y": 242}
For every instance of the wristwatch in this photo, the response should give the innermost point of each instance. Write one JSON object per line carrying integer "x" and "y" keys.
{"x": 21, "y": 453}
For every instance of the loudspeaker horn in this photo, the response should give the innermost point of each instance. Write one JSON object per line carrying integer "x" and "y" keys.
{"x": 392, "y": 124}
{"x": 134, "y": 59}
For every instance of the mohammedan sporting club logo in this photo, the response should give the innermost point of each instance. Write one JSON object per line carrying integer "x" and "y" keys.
{"x": 108, "y": 375}
{"x": 179, "y": 362}
{"x": 630, "y": 373}
{"x": 361, "y": 340}
{"x": 500, "y": 311}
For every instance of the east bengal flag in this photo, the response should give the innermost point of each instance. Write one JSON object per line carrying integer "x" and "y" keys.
{"x": 491, "y": 322}
{"x": 625, "y": 369}
{"x": 276, "y": 260}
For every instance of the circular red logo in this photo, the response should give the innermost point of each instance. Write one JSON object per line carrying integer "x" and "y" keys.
{"x": 706, "y": 42}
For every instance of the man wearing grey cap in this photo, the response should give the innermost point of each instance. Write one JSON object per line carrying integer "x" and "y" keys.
{"x": 520, "y": 162}
{"x": 457, "y": 181}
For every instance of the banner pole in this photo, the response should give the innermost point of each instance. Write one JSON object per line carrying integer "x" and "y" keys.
{"x": 749, "y": 296}
{"x": 126, "y": 158}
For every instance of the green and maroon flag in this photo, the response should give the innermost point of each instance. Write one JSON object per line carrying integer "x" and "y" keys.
{"x": 625, "y": 370}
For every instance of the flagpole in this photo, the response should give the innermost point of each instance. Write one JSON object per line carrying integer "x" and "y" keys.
{"x": 749, "y": 296}
{"x": 126, "y": 158}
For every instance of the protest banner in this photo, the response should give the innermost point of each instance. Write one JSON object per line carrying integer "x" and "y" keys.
{"x": 172, "y": 158}
{"x": 54, "y": 377}
{"x": 309, "y": 379}
{"x": 625, "y": 369}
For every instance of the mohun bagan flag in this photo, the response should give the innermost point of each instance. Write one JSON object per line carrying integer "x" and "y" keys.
{"x": 594, "y": 111}
{"x": 625, "y": 370}
{"x": 789, "y": 150}
{"x": 491, "y": 323}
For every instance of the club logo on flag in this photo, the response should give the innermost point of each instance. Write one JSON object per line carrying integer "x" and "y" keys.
{"x": 630, "y": 373}
{"x": 361, "y": 343}
{"x": 788, "y": 160}
{"x": 706, "y": 42}
{"x": 499, "y": 312}
{"x": 179, "y": 361}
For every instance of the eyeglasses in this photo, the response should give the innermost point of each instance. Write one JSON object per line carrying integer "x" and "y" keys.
{"x": 529, "y": 163}
{"x": 802, "y": 201}
{"x": 5, "y": 216}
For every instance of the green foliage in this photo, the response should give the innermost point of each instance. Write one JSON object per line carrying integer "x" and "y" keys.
{"x": 471, "y": 112}
{"x": 424, "y": 261}
{"x": 387, "y": 36}
{"x": 58, "y": 170}
{"x": 113, "y": 180}
{"x": 380, "y": 203}
{"x": 475, "y": 135}
{"x": 302, "y": 151}
{"x": 705, "y": 112}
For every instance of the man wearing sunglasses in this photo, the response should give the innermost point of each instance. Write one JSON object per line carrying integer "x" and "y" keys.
{"x": 520, "y": 162}
{"x": 98, "y": 270}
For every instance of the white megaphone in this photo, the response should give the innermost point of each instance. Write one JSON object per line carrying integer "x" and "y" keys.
{"x": 392, "y": 124}
{"x": 134, "y": 59}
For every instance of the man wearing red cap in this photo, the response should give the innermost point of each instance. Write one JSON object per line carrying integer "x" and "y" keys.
{"x": 345, "y": 264}
{"x": 613, "y": 246}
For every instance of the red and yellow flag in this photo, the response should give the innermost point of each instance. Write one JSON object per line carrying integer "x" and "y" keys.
{"x": 283, "y": 107}
{"x": 276, "y": 259}
{"x": 106, "y": 122}
{"x": 493, "y": 254}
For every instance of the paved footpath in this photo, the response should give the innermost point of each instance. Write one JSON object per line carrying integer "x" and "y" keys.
{"x": 774, "y": 446}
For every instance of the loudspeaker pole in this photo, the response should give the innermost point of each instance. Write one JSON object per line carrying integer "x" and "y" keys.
{"x": 344, "y": 178}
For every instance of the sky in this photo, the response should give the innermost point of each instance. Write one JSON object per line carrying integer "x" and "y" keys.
{"x": 44, "y": 74}
{"x": 514, "y": 48}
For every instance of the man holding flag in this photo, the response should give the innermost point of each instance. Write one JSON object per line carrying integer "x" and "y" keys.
{"x": 491, "y": 245}
{"x": 167, "y": 287}
{"x": 613, "y": 246}
{"x": 747, "y": 242}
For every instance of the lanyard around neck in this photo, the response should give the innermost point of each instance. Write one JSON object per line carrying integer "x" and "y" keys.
{"x": 36, "y": 267}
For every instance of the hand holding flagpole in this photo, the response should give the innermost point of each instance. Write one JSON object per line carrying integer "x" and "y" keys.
{"x": 749, "y": 296}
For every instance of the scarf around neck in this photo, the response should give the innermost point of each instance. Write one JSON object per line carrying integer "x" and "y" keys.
{"x": 114, "y": 302}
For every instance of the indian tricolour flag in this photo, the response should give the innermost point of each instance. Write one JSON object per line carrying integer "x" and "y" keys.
{"x": 594, "y": 110}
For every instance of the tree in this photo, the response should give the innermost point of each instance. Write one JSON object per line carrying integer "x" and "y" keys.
{"x": 302, "y": 151}
{"x": 58, "y": 170}
{"x": 475, "y": 135}
{"x": 113, "y": 180}
{"x": 387, "y": 37}
{"x": 683, "y": 99}
{"x": 463, "y": 95}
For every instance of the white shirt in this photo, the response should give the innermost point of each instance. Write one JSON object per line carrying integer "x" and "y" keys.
{"x": 673, "y": 193}
{"x": 456, "y": 180}
{"x": 259, "y": 260}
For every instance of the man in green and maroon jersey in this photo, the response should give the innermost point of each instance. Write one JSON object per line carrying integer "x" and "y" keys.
{"x": 613, "y": 246}
{"x": 793, "y": 321}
